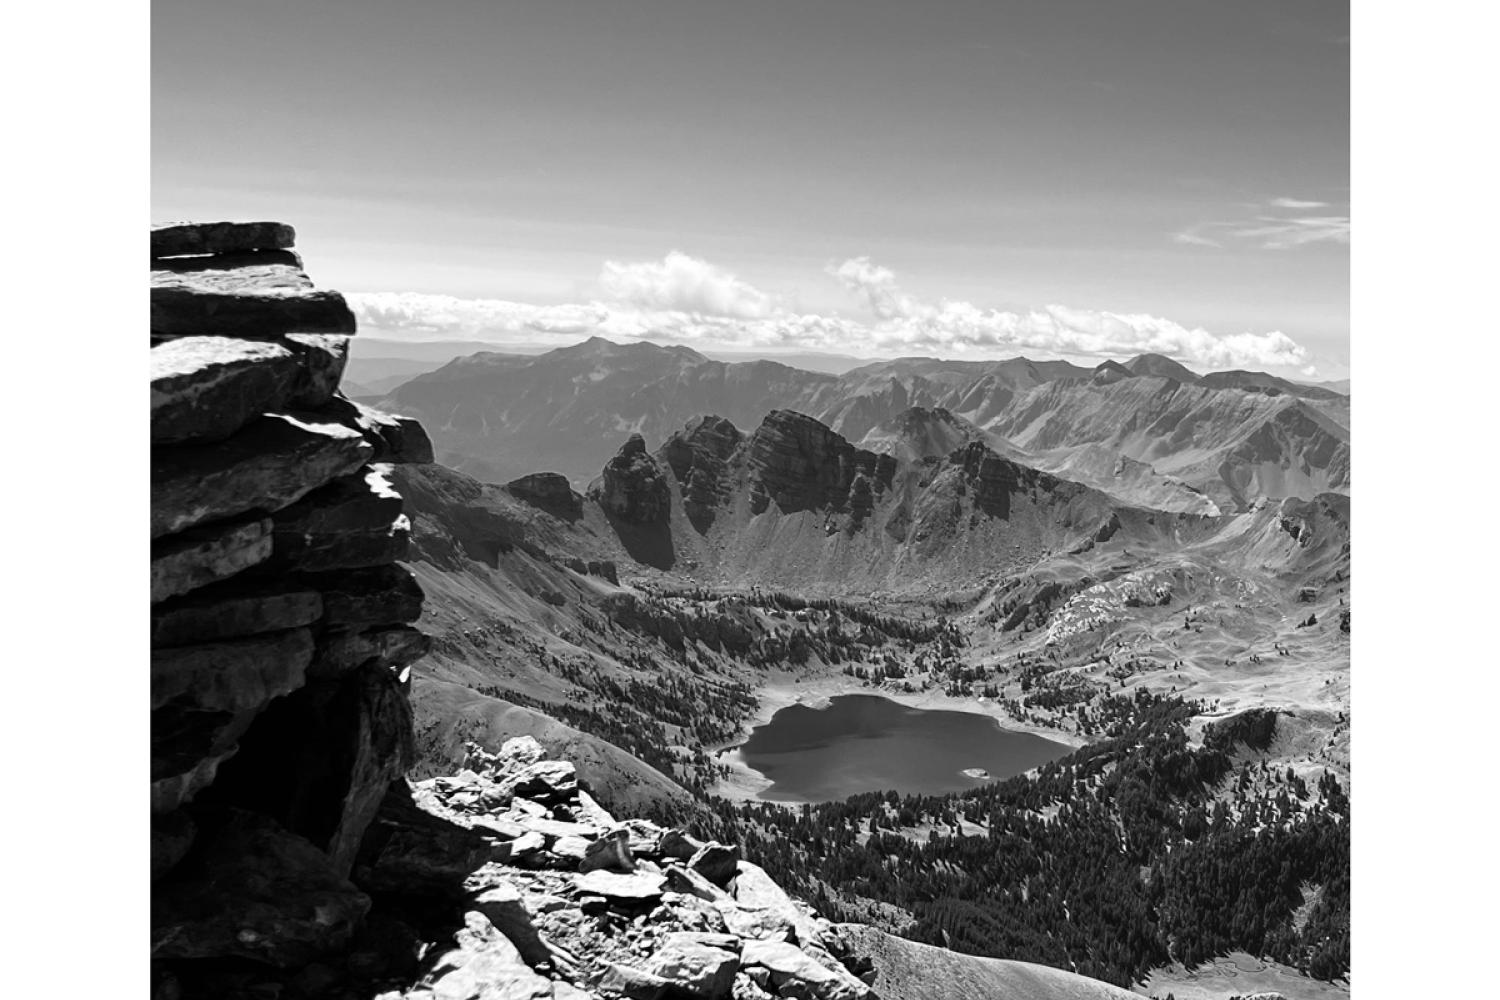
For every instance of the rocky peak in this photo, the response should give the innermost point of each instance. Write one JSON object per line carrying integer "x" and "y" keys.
{"x": 280, "y": 619}
{"x": 633, "y": 488}
{"x": 995, "y": 479}
{"x": 698, "y": 456}
{"x": 801, "y": 464}
{"x": 550, "y": 491}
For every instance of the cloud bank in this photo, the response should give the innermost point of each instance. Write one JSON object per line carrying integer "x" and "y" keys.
{"x": 684, "y": 299}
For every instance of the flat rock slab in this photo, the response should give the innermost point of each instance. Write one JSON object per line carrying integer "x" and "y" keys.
{"x": 236, "y": 272}
{"x": 206, "y": 388}
{"x": 252, "y": 890}
{"x": 201, "y": 556}
{"x": 230, "y": 676}
{"x": 271, "y": 463}
{"x": 380, "y": 595}
{"x": 181, "y": 307}
{"x": 396, "y": 439}
{"x": 397, "y": 648}
{"x": 351, "y": 523}
{"x": 696, "y": 970}
{"x": 174, "y": 238}
{"x": 635, "y": 889}
{"x": 795, "y": 973}
{"x": 233, "y": 610}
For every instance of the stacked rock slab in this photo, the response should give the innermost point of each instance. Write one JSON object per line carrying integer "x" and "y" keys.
{"x": 281, "y": 635}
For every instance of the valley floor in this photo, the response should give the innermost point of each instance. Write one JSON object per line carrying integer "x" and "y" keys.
{"x": 1235, "y": 975}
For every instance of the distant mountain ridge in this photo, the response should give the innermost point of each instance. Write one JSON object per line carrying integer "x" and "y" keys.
{"x": 1231, "y": 436}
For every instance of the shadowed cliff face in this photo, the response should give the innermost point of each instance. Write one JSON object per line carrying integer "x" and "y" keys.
{"x": 698, "y": 457}
{"x": 800, "y": 464}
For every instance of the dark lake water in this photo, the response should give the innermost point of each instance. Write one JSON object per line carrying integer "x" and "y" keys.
{"x": 864, "y": 743}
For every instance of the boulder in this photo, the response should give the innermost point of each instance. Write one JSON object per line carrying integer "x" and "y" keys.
{"x": 610, "y": 852}
{"x": 716, "y": 862}
{"x": 794, "y": 973}
{"x": 689, "y": 882}
{"x": 233, "y": 609}
{"x": 506, "y": 910}
{"x": 754, "y": 890}
{"x": 268, "y": 465}
{"x": 177, "y": 238}
{"x": 627, "y": 980}
{"x": 637, "y": 889}
{"x": 676, "y": 844}
{"x": 695, "y": 969}
{"x": 252, "y": 890}
{"x": 201, "y": 556}
{"x": 547, "y": 781}
{"x": 485, "y": 966}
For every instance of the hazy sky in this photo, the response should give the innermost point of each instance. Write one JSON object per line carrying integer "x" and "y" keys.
{"x": 963, "y": 179}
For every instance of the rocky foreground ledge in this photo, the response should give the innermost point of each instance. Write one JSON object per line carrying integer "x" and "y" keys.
{"x": 509, "y": 881}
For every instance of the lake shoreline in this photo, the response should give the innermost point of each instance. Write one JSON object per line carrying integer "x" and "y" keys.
{"x": 782, "y": 689}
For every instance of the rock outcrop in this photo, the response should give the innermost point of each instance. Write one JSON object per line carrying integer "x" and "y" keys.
{"x": 633, "y": 488}
{"x": 698, "y": 456}
{"x": 801, "y": 464}
{"x": 280, "y": 635}
{"x": 548, "y": 490}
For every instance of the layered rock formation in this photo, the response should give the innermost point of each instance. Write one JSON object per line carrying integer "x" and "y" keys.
{"x": 632, "y": 487}
{"x": 280, "y": 635}
{"x": 698, "y": 456}
{"x": 802, "y": 464}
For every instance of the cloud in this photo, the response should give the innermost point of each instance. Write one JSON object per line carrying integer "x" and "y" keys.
{"x": 1284, "y": 234}
{"x": 905, "y": 322}
{"x": 1271, "y": 228}
{"x": 684, "y": 284}
{"x": 682, "y": 299}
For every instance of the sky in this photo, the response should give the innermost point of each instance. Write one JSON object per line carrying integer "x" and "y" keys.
{"x": 1072, "y": 178}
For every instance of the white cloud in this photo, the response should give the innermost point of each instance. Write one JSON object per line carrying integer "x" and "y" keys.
{"x": 1271, "y": 228}
{"x": 685, "y": 284}
{"x": 682, "y": 299}
{"x": 1283, "y": 234}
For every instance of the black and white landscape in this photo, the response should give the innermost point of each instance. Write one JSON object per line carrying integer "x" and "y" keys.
{"x": 587, "y": 563}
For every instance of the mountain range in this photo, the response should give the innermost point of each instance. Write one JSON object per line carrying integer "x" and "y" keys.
{"x": 1147, "y": 431}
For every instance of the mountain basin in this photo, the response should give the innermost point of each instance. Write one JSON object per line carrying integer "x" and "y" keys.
{"x": 865, "y": 743}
